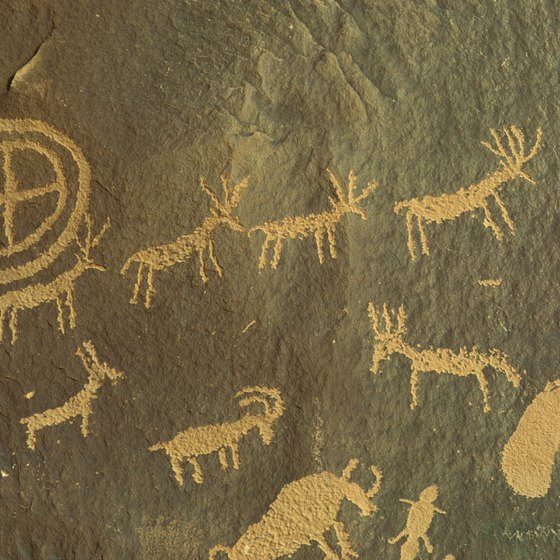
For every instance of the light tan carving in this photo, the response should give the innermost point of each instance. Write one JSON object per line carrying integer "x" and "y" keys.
{"x": 390, "y": 340}
{"x": 419, "y": 520}
{"x": 302, "y": 514}
{"x": 20, "y": 135}
{"x": 449, "y": 206}
{"x": 81, "y": 403}
{"x": 200, "y": 240}
{"x": 491, "y": 282}
{"x": 191, "y": 443}
{"x": 318, "y": 225}
{"x": 529, "y": 456}
{"x": 60, "y": 290}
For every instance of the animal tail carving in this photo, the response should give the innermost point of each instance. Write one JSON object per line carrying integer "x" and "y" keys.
{"x": 498, "y": 360}
{"x": 156, "y": 447}
{"x": 269, "y": 398}
{"x": 529, "y": 455}
{"x": 217, "y": 549}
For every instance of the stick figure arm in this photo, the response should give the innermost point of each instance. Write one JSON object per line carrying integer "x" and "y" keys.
{"x": 440, "y": 511}
{"x": 405, "y": 501}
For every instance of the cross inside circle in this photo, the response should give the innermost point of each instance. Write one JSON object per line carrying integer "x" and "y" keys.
{"x": 12, "y": 196}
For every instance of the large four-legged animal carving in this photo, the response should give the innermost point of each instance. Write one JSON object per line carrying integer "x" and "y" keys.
{"x": 449, "y": 206}
{"x": 191, "y": 443}
{"x": 390, "y": 340}
{"x": 199, "y": 241}
{"x": 318, "y": 225}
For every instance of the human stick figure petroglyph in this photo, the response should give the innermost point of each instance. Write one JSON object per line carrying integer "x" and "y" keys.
{"x": 529, "y": 455}
{"x": 390, "y": 340}
{"x": 81, "y": 403}
{"x": 419, "y": 520}
{"x": 29, "y": 135}
{"x": 302, "y": 514}
{"x": 200, "y": 240}
{"x": 191, "y": 443}
{"x": 319, "y": 225}
{"x": 60, "y": 290}
{"x": 449, "y": 206}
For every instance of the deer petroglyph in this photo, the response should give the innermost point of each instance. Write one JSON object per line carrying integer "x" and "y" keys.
{"x": 318, "y": 225}
{"x": 200, "y": 241}
{"x": 449, "y": 206}
{"x": 81, "y": 403}
{"x": 302, "y": 514}
{"x": 60, "y": 290}
{"x": 390, "y": 340}
{"x": 419, "y": 520}
{"x": 191, "y": 443}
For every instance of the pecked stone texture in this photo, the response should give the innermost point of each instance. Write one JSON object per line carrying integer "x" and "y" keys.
{"x": 158, "y": 95}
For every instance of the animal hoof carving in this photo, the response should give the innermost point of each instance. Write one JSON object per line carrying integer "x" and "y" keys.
{"x": 512, "y": 154}
{"x": 302, "y": 514}
{"x": 529, "y": 455}
{"x": 389, "y": 339}
{"x": 192, "y": 443}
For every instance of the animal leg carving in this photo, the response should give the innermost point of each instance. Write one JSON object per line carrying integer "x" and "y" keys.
{"x": 319, "y": 242}
{"x": 2, "y": 319}
{"x": 177, "y": 469}
{"x": 213, "y": 258}
{"x": 201, "y": 270}
{"x": 85, "y": 424}
{"x": 136, "y": 292}
{"x": 262, "y": 258}
{"x": 410, "y": 235}
{"x": 60, "y": 315}
{"x": 235, "y": 455}
{"x": 484, "y": 388}
{"x": 489, "y": 222}
{"x": 222, "y": 453}
{"x": 71, "y": 308}
{"x": 505, "y": 214}
{"x": 277, "y": 251}
{"x": 423, "y": 237}
{"x": 197, "y": 475}
{"x": 330, "y": 554}
{"x": 13, "y": 324}
{"x": 332, "y": 242}
{"x": 414, "y": 387}
{"x": 344, "y": 541}
{"x": 150, "y": 288}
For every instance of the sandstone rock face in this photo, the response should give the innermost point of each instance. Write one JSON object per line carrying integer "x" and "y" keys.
{"x": 279, "y": 279}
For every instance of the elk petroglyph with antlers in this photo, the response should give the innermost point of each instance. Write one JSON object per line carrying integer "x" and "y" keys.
{"x": 449, "y": 206}
{"x": 60, "y": 290}
{"x": 318, "y": 225}
{"x": 193, "y": 442}
{"x": 200, "y": 240}
{"x": 419, "y": 520}
{"x": 390, "y": 340}
{"x": 302, "y": 514}
{"x": 81, "y": 403}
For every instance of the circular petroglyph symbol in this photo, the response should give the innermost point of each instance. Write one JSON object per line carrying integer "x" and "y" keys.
{"x": 44, "y": 193}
